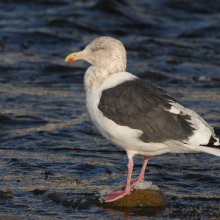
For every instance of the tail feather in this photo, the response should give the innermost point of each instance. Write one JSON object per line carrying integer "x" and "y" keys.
{"x": 210, "y": 150}
{"x": 179, "y": 147}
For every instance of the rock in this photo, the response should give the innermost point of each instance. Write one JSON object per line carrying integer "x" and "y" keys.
{"x": 74, "y": 200}
{"x": 39, "y": 192}
{"x": 144, "y": 194}
{"x": 6, "y": 195}
{"x": 140, "y": 198}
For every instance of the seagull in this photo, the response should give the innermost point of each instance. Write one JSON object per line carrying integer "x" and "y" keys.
{"x": 135, "y": 115}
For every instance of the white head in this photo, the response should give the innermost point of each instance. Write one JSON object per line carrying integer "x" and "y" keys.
{"x": 103, "y": 53}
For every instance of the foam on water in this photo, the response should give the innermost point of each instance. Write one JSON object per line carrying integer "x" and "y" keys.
{"x": 102, "y": 193}
{"x": 146, "y": 185}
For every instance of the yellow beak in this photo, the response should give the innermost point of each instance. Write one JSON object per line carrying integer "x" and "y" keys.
{"x": 74, "y": 56}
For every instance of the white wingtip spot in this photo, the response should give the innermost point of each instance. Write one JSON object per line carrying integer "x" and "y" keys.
{"x": 173, "y": 110}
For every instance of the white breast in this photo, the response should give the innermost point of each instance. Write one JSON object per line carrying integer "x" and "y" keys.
{"x": 106, "y": 127}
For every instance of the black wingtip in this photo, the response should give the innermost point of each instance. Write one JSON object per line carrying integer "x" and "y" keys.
{"x": 217, "y": 130}
{"x": 212, "y": 142}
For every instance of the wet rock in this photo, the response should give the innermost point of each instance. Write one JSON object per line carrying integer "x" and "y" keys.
{"x": 144, "y": 194}
{"x": 140, "y": 198}
{"x": 6, "y": 195}
{"x": 74, "y": 200}
{"x": 38, "y": 192}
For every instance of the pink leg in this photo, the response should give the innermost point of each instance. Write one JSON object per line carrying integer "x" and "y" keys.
{"x": 141, "y": 175}
{"x": 121, "y": 193}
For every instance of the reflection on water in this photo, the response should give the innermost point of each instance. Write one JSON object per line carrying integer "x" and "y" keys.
{"x": 51, "y": 157}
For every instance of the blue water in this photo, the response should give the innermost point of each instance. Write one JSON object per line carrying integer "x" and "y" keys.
{"x": 47, "y": 140}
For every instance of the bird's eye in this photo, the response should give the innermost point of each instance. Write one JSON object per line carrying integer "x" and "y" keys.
{"x": 97, "y": 48}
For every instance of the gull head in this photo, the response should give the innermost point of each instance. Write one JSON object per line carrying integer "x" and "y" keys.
{"x": 103, "y": 53}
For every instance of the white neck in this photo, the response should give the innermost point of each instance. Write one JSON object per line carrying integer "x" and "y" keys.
{"x": 94, "y": 77}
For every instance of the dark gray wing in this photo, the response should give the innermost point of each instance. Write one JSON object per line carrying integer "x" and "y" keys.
{"x": 141, "y": 105}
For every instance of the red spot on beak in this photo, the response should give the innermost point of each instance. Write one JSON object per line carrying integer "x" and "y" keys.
{"x": 71, "y": 59}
